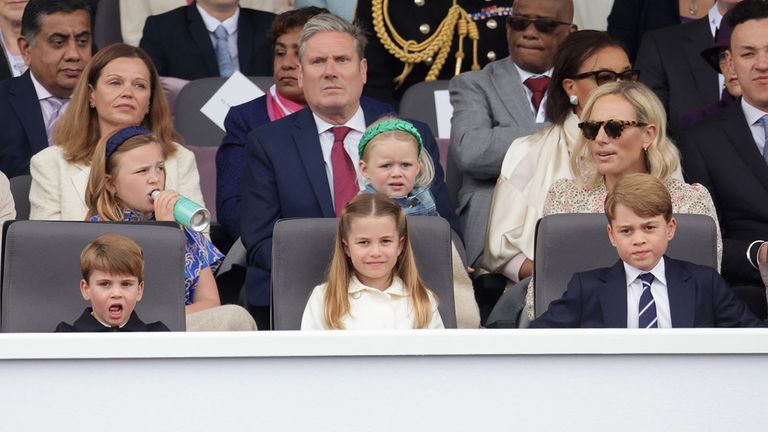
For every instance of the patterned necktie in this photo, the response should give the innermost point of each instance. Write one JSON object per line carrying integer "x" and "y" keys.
{"x": 55, "y": 104}
{"x": 764, "y": 123}
{"x": 345, "y": 185}
{"x": 539, "y": 87}
{"x": 647, "y": 306}
{"x": 223, "y": 56}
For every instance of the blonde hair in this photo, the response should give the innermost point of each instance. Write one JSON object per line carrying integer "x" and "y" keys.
{"x": 336, "y": 302}
{"x": 77, "y": 131}
{"x": 113, "y": 254}
{"x": 426, "y": 165}
{"x": 662, "y": 158}
{"x": 98, "y": 198}
{"x": 644, "y": 194}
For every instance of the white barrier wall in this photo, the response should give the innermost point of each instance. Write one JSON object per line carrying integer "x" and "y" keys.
{"x": 451, "y": 380}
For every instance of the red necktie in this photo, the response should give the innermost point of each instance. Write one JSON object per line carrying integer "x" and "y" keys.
{"x": 539, "y": 87}
{"x": 345, "y": 185}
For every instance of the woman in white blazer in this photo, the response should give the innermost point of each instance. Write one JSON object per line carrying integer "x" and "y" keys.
{"x": 120, "y": 87}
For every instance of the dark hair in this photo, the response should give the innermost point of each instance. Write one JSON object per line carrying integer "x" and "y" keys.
{"x": 747, "y": 10}
{"x": 286, "y": 21}
{"x": 32, "y": 20}
{"x": 573, "y": 51}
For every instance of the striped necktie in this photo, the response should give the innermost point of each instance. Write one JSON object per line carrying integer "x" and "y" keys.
{"x": 647, "y": 306}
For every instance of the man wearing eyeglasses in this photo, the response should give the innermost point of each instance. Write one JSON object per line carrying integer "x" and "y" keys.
{"x": 503, "y": 101}
{"x": 670, "y": 64}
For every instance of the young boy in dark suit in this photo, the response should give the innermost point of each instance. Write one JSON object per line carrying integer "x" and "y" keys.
{"x": 113, "y": 281}
{"x": 645, "y": 289}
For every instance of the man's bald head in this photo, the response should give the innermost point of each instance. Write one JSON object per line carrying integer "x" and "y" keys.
{"x": 533, "y": 49}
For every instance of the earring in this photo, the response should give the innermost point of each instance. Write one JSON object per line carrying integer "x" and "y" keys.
{"x": 93, "y": 105}
{"x": 645, "y": 149}
{"x": 573, "y": 99}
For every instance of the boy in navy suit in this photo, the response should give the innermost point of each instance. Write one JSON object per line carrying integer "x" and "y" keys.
{"x": 645, "y": 289}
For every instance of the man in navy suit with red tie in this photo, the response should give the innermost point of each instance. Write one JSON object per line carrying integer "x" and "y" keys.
{"x": 306, "y": 164}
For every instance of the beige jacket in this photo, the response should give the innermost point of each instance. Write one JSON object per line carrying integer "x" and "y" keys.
{"x": 58, "y": 187}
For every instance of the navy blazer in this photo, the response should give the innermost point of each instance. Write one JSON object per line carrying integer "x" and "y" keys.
{"x": 231, "y": 156}
{"x": 698, "y": 297}
{"x": 181, "y": 46}
{"x": 721, "y": 154}
{"x": 285, "y": 178}
{"x": 23, "y": 129}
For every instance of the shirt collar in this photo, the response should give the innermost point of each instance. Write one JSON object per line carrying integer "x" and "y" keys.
{"x": 714, "y": 18}
{"x": 397, "y": 287}
{"x": 658, "y": 272}
{"x": 751, "y": 113}
{"x": 356, "y": 122}
{"x": 42, "y": 92}
{"x": 230, "y": 24}
{"x": 524, "y": 74}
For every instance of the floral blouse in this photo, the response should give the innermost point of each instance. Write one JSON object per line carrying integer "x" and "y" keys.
{"x": 199, "y": 254}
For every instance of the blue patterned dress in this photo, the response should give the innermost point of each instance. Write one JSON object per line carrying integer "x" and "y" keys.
{"x": 199, "y": 254}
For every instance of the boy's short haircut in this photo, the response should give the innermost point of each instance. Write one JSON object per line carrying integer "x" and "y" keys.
{"x": 113, "y": 254}
{"x": 644, "y": 194}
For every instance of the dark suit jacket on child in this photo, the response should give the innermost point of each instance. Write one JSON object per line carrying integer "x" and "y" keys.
{"x": 87, "y": 323}
{"x": 698, "y": 297}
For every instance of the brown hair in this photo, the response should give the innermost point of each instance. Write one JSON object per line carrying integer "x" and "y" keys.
{"x": 98, "y": 198}
{"x": 336, "y": 301}
{"x": 77, "y": 132}
{"x": 114, "y": 254}
{"x": 644, "y": 194}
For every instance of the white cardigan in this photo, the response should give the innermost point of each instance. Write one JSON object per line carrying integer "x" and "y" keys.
{"x": 58, "y": 187}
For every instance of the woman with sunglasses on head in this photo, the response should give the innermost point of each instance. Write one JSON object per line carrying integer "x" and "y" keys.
{"x": 585, "y": 60}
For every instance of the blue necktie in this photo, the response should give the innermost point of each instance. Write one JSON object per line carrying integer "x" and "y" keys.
{"x": 647, "y": 318}
{"x": 764, "y": 123}
{"x": 226, "y": 68}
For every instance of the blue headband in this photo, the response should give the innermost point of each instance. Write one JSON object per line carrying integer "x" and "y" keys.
{"x": 119, "y": 137}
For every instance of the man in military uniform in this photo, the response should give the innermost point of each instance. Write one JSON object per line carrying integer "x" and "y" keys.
{"x": 420, "y": 20}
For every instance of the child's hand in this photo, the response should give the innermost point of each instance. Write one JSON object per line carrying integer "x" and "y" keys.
{"x": 470, "y": 269}
{"x": 164, "y": 205}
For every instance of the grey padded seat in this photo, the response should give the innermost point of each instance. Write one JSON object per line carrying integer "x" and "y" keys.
{"x": 20, "y": 191}
{"x": 194, "y": 126}
{"x": 575, "y": 242}
{"x": 41, "y": 272}
{"x": 302, "y": 250}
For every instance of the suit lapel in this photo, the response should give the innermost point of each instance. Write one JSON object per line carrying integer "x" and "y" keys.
{"x": 245, "y": 38}
{"x": 307, "y": 143}
{"x": 23, "y": 99}
{"x": 696, "y": 40}
{"x": 735, "y": 125}
{"x": 681, "y": 293}
{"x": 506, "y": 80}
{"x": 80, "y": 180}
{"x": 613, "y": 296}
{"x": 200, "y": 36}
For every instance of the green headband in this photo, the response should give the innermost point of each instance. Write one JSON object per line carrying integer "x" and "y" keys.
{"x": 386, "y": 126}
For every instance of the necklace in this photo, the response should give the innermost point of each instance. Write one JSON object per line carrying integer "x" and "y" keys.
{"x": 692, "y": 8}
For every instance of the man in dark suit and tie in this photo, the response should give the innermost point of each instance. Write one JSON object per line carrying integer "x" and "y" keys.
{"x": 56, "y": 45}
{"x": 727, "y": 154}
{"x": 209, "y": 38}
{"x": 670, "y": 64}
{"x": 306, "y": 164}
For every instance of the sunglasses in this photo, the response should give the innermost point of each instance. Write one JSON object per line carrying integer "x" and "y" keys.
{"x": 607, "y": 76}
{"x": 543, "y": 25}
{"x": 613, "y": 128}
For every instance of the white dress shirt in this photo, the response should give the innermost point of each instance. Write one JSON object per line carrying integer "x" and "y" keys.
{"x": 753, "y": 115}
{"x": 42, "y": 96}
{"x": 230, "y": 24}
{"x": 658, "y": 290}
{"x": 369, "y": 308}
{"x": 357, "y": 124}
{"x": 524, "y": 75}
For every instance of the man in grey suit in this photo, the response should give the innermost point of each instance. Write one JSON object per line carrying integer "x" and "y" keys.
{"x": 503, "y": 101}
